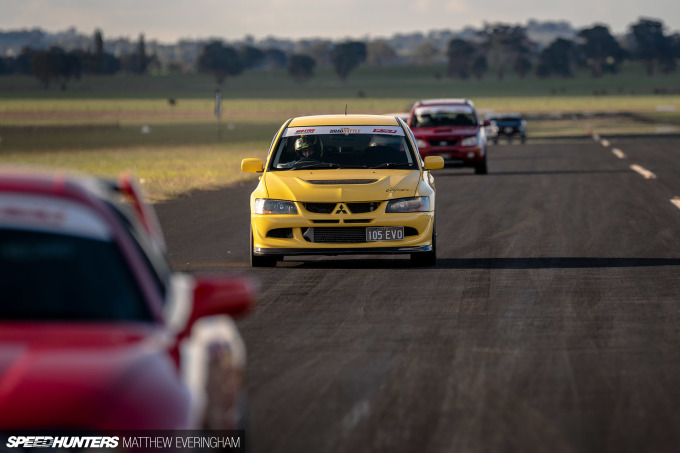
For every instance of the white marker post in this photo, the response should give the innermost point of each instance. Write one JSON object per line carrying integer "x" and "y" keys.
{"x": 218, "y": 112}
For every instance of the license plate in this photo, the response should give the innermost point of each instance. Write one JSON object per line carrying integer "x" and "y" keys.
{"x": 374, "y": 234}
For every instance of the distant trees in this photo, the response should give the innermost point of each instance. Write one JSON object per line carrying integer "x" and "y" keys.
{"x": 652, "y": 46}
{"x": 55, "y": 65}
{"x": 251, "y": 57}
{"x": 301, "y": 67}
{"x": 426, "y": 53}
{"x": 602, "y": 52}
{"x": 320, "y": 51}
{"x": 99, "y": 61}
{"x": 461, "y": 54}
{"x": 137, "y": 62}
{"x": 379, "y": 53}
{"x": 219, "y": 60}
{"x": 559, "y": 58}
{"x": 23, "y": 62}
{"x": 276, "y": 58}
{"x": 507, "y": 46}
{"x": 347, "y": 56}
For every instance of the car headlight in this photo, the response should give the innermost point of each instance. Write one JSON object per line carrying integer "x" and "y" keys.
{"x": 470, "y": 141}
{"x": 415, "y": 204}
{"x": 267, "y": 206}
{"x": 421, "y": 143}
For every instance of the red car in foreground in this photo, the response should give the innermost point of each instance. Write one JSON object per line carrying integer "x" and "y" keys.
{"x": 450, "y": 128}
{"x": 96, "y": 331}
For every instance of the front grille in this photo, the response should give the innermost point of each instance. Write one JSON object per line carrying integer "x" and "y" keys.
{"x": 442, "y": 143}
{"x": 347, "y": 235}
{"x": 340, "y": 181}
{"x": 320, "y": 208}
{"x": 360, "y": 208}
{"x": 331, "y": 235}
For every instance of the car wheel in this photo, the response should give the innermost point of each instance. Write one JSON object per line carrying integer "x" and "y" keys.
{"x": 480, "y": 169}
{"x": 260, "y": 261}
{"x": 427, "y": 258}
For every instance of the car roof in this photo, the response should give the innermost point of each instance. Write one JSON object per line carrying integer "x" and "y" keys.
{"x": 344, "y": 120}
{"x": 444, "y": 101}
{"x": 504, "y": 115}
{"x": 98, "y": 194}
{"x": 82, "y": 188}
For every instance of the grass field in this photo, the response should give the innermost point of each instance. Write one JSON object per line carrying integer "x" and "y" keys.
{"x": 108, "y": 124}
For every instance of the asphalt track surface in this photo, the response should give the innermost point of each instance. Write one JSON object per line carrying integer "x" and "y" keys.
{"x": 551, "y": 323}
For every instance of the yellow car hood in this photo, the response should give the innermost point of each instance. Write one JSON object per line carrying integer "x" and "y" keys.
{"x": 341, "y": 185}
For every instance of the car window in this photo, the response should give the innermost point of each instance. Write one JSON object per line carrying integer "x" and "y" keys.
{"x": 49, "y": 276}
{"x": 155, "y": 260}
{"x": 438, "y": 116}
{"x": 509, "y": 120}
{"x": 343, "y": 147}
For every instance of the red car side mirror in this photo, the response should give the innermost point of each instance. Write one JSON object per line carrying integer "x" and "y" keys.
{"x": 233, "y": 296}
{"x": 487, "y": 123}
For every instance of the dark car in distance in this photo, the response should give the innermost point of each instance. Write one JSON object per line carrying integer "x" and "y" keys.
{"x": 508, "y": 126}
{"x": 452, "y": 129}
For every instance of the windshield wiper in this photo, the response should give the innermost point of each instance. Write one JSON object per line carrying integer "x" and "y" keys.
{"x": 308, "y": 165}
{"x": 391, "y": 165}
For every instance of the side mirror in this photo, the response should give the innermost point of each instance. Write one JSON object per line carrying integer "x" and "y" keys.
{"x": 252, "y": 165}
{"x": 487, "y": 123}
{"x": 222, "y": 296}
{"x": 434, "y": 162}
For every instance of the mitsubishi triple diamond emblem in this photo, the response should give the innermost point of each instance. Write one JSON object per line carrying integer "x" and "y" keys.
{"x": 341, "y": 210}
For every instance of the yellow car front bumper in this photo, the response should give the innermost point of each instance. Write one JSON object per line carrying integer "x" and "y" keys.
{"x": 330, "y": 234}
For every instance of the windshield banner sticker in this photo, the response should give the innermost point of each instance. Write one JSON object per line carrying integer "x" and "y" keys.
{"x": 319, "y": 130}
{"x": 443, "y": 109}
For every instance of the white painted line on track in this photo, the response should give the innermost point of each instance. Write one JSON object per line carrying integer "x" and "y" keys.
{"x": 604, "y": 143}
{"x": 643, "y": 171}
{"x": 618, "y": 153}
{"x": 676, "y": 202}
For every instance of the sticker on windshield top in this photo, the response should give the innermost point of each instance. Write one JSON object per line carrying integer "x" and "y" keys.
{"x": 383, "y": 130}
{"x": 45, "y": 213}
{"x": 443, "y": 109}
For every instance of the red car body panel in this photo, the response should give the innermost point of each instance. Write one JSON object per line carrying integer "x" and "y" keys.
{"x": 446, "y": 142}
{"x": 70, "y": 376}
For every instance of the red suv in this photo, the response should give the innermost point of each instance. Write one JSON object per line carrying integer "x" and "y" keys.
{"x": 450, "y": 128}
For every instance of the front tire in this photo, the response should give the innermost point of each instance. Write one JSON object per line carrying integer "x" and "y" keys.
{"x": 481, "y": 169}
{"x": 260, "y": 261}
{"x": 426, "y": 258}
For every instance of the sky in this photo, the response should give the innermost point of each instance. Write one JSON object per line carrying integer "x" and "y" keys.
{"x": 167, "y": 21}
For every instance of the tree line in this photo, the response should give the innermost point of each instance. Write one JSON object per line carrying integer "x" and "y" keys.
{"x": 506, "y": 47}
{"x": 57, "y": 66}
{"x": 499, "y": 47}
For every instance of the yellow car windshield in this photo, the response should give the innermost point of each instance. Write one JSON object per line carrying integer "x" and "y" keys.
{"x": 343, "y": 150}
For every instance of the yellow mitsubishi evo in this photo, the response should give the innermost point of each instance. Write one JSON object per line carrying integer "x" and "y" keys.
{"x": 343, "y": 184}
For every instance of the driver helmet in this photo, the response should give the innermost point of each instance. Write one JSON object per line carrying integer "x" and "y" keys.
{"x": 308, "y": 146}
